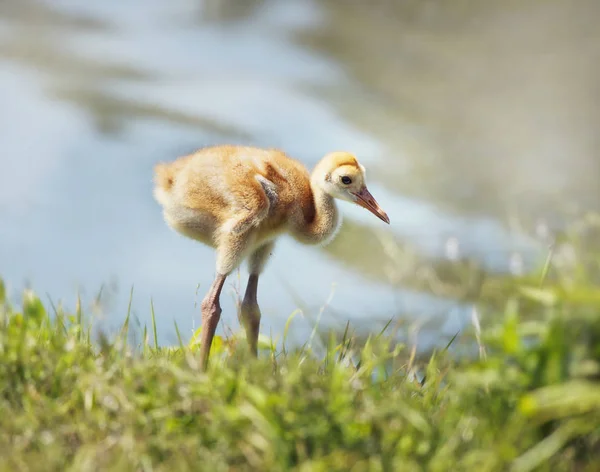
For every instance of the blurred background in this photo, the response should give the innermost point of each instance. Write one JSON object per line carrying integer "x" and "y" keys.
{"x": 477, "y": 122}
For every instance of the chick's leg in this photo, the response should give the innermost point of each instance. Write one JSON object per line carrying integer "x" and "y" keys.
{"x": 211, "y": 313}
{"x": 250, "y": 312}
{"x": 231, "y": 250}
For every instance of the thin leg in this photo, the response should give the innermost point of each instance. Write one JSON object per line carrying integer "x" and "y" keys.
{"x": 250, "y": 312}
{"x": 230, "y": 252}
{"x": 211, "y": 313}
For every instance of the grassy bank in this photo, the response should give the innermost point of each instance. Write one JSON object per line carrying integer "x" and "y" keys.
{"x": 529, "y": 401}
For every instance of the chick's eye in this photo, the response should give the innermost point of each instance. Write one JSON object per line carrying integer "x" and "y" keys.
{"x": 346, "y": 180}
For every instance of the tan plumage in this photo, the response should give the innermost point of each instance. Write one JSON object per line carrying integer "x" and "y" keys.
{"x": 239, "y": 199}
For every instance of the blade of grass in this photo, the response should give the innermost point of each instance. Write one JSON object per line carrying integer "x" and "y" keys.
{"x": 79, "y": 317}
{"x": 45, "y": 323}
{"x": 451, "y": 341}
{"x": 154, "y": 324}
{"x": 125, "y": 328}
{"x": 384, "y": 328}
{"x": 319, "y": 316}
{"x": 546, "y": 268}
{"x": 99, "y": 296}
{"x": 78, "y": 312}
{"x": 59, "y": 319}
{"x": 344, "y": 342}
{"x": 181, "y": 345}
{"x": 287, "y": 327}
{"x": 145, "y": 340}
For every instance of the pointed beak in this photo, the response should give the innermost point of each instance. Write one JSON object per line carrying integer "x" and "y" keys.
{"x": 366, "y": 200}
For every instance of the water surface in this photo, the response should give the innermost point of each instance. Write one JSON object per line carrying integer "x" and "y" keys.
{"x": 464, "y": 118}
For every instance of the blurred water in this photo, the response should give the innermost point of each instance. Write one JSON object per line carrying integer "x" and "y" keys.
{"x": 462, "y": 116}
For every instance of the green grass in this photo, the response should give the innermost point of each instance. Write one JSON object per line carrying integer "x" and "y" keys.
{"x": 530, "y": 400}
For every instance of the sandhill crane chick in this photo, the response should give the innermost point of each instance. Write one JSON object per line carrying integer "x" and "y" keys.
{"x": 238, "y": 199}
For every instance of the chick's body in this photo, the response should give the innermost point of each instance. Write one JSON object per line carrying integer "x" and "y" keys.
{"x": 226, "y": 189}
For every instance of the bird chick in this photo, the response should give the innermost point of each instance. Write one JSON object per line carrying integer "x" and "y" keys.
{"x": 238, "y": 199}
